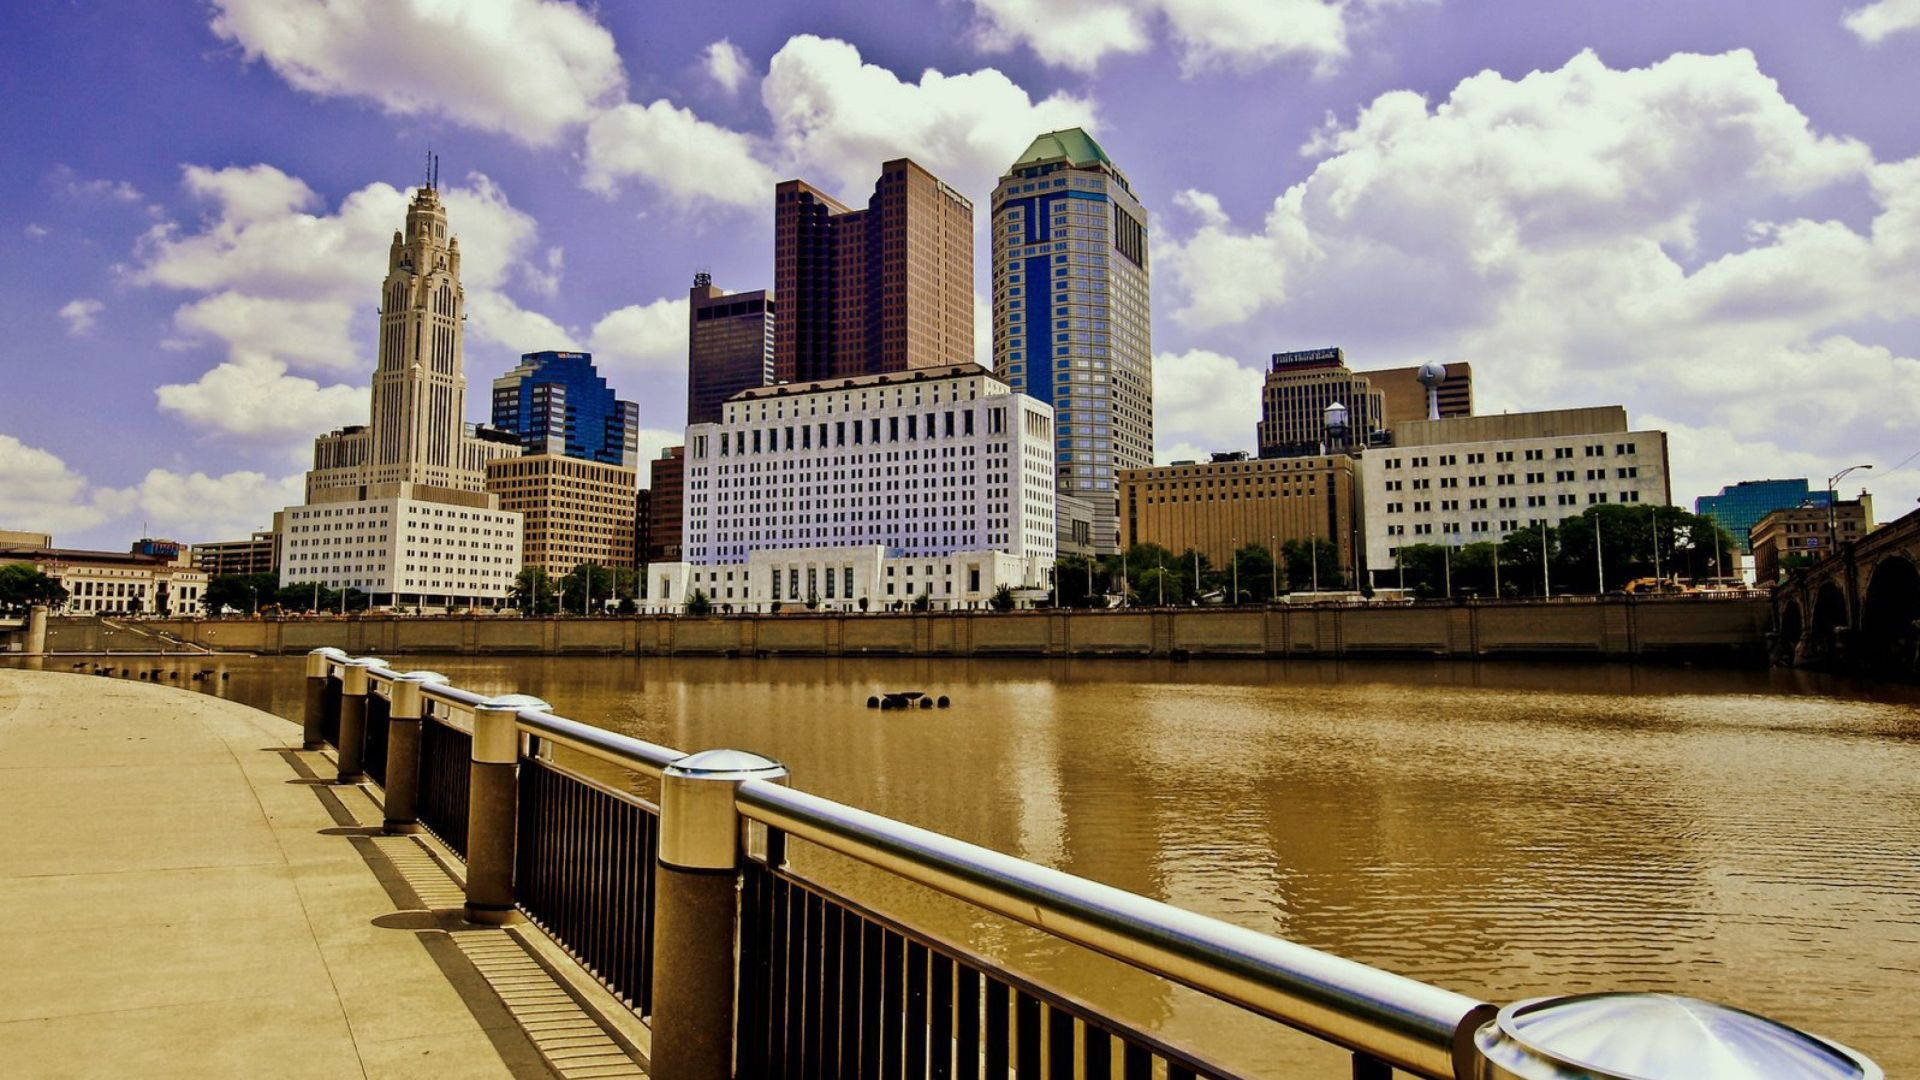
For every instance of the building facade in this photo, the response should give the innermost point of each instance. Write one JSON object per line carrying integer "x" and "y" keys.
{"x": 861, "y": 292}
{"x": 729, "y": 346}
{"x": 1473, "y": 479}
{"x": 1404, "y": 397}
{"x": 937, "y": 465}
{"x": 1218, "y": 507}
{"x": 666, "y": 519}
{"x": 1739, "y": 507}
{"x": 260, "y": 554}
{"x": 152, "y": 582}
{"x": 863, "y": 578}
{"x": 1811, "y": 532}
{"x": 1071, "y": 325}
{"x": 572, "y": 510}
{"x": 557, "y": 403}
{"x": 1296, "y": 393}
{"x": 404, "y": 552}
{"x": 399, "y": 509}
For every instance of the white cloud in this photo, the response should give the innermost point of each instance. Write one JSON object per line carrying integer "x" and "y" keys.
{"x": 74, "y": 186}
{"x": 833, "y": 112}
{"x": 1587, "y": 236}
{"x": 684, "y": 156}
{"x": 35, "y": 231}
{"x": 1875, "y": 22}
{"x": 652, "y": 441}
{"x": 196, "y": 508}
{"x": 40, "y": 493}
{"x": 544, "y": 278}
{"x": 529, "y": 69}
{"x": 284, "y": 282}
{"x": 637, "y": 338}
{"x": 1079, "y": 34}
{"x": 79, "y": 314}
{"x": 726, "y": 65}
{"x": 253, "y": 396}
{"x": 1203, "y": 399}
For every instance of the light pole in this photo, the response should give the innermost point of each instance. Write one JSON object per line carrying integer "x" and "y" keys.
{"x": 1313, "y": 556}
{"x": 1546, "y": 579}
{"x": 1446, "y": 567}
{"x": 1599, "y": 565}
{"x": 1831, "y": 498}
{"x": 253, "y": 600}
{"x": 1656, "y": 547}
{"x": 1273, "y": 567}
{"x": 1236, "y": 571}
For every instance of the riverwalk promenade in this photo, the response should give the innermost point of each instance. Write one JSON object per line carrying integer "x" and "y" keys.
{"x": 186, "y": 896}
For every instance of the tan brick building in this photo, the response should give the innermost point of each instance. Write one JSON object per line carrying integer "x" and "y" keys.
{"x": 1403, "y": 398}
{"x": 864, "y": 292}
{"x": 1294, "y": 398}
{"x": 573, "y": 510}
{"x": 1808, "y": 531}
{"x": 1218, "y": 507}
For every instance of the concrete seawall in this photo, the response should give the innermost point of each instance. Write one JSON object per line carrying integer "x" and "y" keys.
{"x": 1615, "y": 628}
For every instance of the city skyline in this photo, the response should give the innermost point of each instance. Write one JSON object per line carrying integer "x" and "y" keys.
{"x": 195, "y": 240}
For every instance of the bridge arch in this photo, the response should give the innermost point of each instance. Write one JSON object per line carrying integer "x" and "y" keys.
{"x": 1789, "y": 630}
{"x": 1829, "y": 620}
{"x": 1888, "y": 614}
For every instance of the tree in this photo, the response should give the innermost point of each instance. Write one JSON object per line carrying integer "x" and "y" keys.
{"x": 1002, "y": 599}
{"x": 1300, "y": 557}
{"x": 923, "y": 602}
{"x": 586, "y": 588}
{"x": 244, "y": 593}
{"x": 534, "y": 592}
{"x": 22, "y": 586}
{"x": 306, "y": 596}
{"x": 1078, "y": 582}
{"x": 1255, "y": 568}
{"x": 1156, "y": 586}
{"x": 699, "y": 603}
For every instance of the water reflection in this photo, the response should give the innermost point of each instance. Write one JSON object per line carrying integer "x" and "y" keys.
{"x": 1503, "y": 829}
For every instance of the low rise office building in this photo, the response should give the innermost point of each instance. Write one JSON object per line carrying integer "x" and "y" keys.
{"x": 1810, "y": 532}
{"x": 572, "y": 510}
{"x": 944, "y": 469}
{"x": 149, "y": 579}
{"x": 1218, "y": 507}
{"x": 1404, "y": 397}
{"x": 1471, "y": 479}
{"x": 1737, "y": 508}
{"x": 258, "y": 554}
{"x": 665, "y": 510}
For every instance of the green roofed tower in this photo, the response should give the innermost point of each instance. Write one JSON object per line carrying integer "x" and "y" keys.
{"x": 1070, "y": 313}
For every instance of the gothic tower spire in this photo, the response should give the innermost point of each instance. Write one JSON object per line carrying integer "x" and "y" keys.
{"x": 419, "y": 385}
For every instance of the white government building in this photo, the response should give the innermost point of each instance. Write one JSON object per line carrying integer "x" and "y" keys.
{"x": 399, "y": 509}
{"x": 1469, "y": 479}
{"x": 867, "y": 492}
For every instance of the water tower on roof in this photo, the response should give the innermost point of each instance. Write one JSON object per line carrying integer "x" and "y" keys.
{"x": 1432, "y": 374}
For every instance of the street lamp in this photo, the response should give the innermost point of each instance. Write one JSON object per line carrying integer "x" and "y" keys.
{"x": 1831, "y": 482}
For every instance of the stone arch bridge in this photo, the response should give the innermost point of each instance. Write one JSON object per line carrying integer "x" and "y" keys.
{"x": 1859, "y": 609}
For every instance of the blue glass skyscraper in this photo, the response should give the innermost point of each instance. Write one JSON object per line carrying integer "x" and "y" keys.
{"x": 556, "y": 403}
{"x": 1740, "y": 506}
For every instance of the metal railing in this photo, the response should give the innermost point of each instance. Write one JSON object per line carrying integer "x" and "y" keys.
{"x": 748, "y": 968}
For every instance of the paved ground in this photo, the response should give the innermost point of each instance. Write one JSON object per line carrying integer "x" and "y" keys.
{"x": 183, "y": 897}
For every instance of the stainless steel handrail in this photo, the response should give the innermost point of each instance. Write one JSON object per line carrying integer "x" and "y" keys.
{"x": 1419, "y": 1028}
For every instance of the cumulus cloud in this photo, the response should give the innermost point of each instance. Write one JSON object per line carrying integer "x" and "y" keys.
{"x": 726, "y": 65}
{"x": 834, "y": 112}
{"x": 1875, "y": 22}
{"x": 196, "y": 508}
{"x": 648, "y": 337}
{"x": 254, "y": 396}
{"x": 285, "y": 283}
{"x": 1079, "y": 34}
{"x": 684, "y": 156}
{"x": 35, "y": 231}
{"x": 1590, "y": 235}
{"x": 529, "y": 69}
{"x": 1203, "y": 401}
{"x": 70, "y": 183}
{"x": 80, "y": 314}
{"x": 40, "y": 493}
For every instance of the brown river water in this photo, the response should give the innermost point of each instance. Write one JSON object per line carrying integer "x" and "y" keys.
{"x": 1505, "y": 830}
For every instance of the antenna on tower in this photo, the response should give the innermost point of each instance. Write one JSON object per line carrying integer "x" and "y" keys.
{"x": 429, "y": 171}
{"x": 436, "y": 172}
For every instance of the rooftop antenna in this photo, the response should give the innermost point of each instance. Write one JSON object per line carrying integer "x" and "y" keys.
{"x": 428, "y": 183}
{"x": 436, "y": 172}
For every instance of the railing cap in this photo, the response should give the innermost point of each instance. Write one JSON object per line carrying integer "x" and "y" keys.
{"x": 421, "y": 677}
{"x": 726, "y": 765}
{"x": 1636, "y": 1036}
{"x": 516, "y": 703}
{"x": 365, "y": 662}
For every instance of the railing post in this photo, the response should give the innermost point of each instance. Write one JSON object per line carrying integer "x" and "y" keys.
{"x": 403, "y": 751}
{"x": 696, "y": 913}
{"x": 313, "y": 722}
{"x": 352, "y": 744}
{"x": 492, "y": 807}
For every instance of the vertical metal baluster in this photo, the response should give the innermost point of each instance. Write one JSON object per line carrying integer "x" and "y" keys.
{"x": 850, "y": 937}
{"x": 999, "y": 1037}
{"x": 795, "y": 990}
{"x": 831, "y": 949}
{"x": 649, "y": 850}
{"x": 940, "y": 1018}
{"x": 872, "y": 945}
{"x": 812, "y": 960}
{"x": 967, "y": 1030}
{"x": 777, "y": 979}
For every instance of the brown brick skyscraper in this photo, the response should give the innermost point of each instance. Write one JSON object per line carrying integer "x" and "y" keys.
{"x": 864, "y": 292}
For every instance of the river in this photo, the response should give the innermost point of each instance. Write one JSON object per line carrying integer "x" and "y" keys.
{"x": 1506, "y": 830}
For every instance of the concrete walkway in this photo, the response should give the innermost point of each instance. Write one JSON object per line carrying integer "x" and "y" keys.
{"x": 183, "y": 896}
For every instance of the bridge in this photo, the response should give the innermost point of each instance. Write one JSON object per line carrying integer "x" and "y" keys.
{"x": 1858, "y": 609}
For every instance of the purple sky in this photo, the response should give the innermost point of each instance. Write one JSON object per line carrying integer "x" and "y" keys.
{"x": 1708, "y": 212}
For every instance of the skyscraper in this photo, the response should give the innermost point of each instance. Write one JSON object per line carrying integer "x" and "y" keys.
{"x": 1293, "y": 403}
{"x": 863, "y": 292}
{"x": 557, "y": 403}
{"x": 729, "y": 346}
{"x": 399, "y": 509}
{"x": 1070, "y": 319}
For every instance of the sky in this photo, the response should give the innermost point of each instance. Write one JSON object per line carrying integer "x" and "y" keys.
{"x": 1708, "y": 212}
